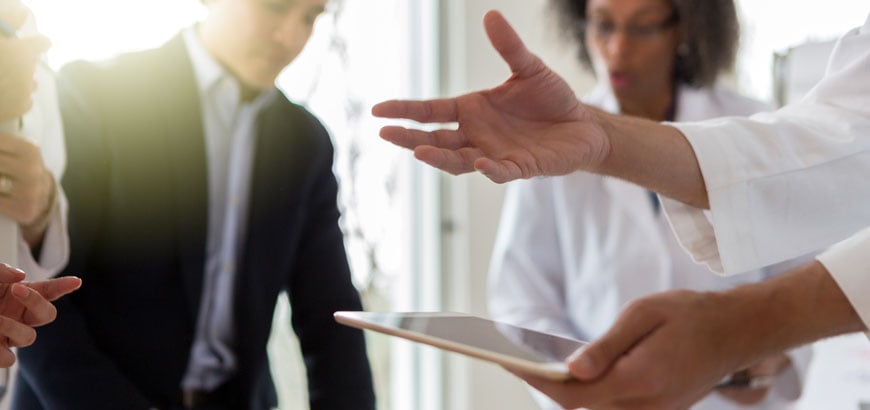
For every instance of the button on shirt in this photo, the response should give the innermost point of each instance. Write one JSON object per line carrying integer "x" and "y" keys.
{"x": 230, "y": 135}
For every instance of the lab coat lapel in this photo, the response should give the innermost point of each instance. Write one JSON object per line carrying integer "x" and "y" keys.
{"x": 694, "y": 105}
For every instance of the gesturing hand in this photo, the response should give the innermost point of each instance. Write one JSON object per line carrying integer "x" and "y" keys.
{"x": 531, "y": 125}
{"x": 25, "y": 305}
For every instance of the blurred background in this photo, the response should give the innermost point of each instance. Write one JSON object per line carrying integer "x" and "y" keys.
{"x": 418, "y": 240}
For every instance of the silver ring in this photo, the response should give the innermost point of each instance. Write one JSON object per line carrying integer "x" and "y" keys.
{"x": 5, "y": 184}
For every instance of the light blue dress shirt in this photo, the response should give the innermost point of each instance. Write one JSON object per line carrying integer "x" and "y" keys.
{"x": 230, "y": 127}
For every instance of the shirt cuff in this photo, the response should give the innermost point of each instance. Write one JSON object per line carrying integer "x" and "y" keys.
{"x": 54, "y": 254}
{"x": 847, "y": 263}
{"x": 694, "y": 231}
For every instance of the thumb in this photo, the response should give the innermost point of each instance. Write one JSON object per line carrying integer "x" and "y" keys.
{"x": 508, "y": 43}
{"x": 632, "y": 326}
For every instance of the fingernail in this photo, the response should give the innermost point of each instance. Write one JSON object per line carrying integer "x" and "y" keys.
{"x": 582, "y": 366}
{"x": 10, "y": 267}
{"x": 20, "y": 291}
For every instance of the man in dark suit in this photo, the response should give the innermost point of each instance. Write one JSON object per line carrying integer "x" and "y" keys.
{"x": 197, "y": 193}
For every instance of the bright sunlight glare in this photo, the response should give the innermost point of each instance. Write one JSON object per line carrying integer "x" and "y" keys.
{"x": 99, "y": 29}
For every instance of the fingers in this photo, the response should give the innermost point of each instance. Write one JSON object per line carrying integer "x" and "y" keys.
{"x": 573, "y": 393}
{"x": 453, "y": 161}
{"x": 508, "y": 44}
{"x": 499, "y": 171}
{"x": 7, "y": 357}
{"x": 30, "y": 194}
{"x": 38, "y": 310}
{"x": 632, "y": 326}
{"x": 10, "y": 274}
{"x": 54, "y": 289}
{"x": 18, "y": 334}
{"x": 565, "y": 393}
{"x": 411, "y": 138}
{"x": 441, "y": 110}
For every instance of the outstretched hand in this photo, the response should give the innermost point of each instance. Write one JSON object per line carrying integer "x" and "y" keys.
{"x": 25, "y": 305}
{"x": 531, "y": 125}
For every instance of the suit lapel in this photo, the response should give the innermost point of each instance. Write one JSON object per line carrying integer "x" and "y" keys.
{"x": 280, "y": 163}
{"x": 185, "y": 137}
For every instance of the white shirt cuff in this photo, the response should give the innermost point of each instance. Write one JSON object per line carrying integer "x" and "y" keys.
{"x": 694, "y": 232}
{"x": 848, "y": 263}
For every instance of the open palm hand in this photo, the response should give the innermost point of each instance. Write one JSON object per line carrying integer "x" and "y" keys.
{"x": 531, "y": 125}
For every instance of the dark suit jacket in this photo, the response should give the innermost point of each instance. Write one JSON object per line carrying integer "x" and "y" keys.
{"x": 137, "y": 186}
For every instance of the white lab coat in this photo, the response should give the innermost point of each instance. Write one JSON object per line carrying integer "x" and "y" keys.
{"x": 42, "y": 125}
{"x": 784, "y": 183}
{"x": 571, "y": 251}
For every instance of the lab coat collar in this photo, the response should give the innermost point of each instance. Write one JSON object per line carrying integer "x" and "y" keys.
{"x": 692, "y": 103}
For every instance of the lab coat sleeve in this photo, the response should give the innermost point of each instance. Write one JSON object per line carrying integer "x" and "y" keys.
{"x": 785, "y": 183}
{"x": 526, "y": 277}
{"x": 848, "y": 262}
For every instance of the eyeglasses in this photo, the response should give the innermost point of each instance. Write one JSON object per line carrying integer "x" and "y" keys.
{"x": 603, "y": 30}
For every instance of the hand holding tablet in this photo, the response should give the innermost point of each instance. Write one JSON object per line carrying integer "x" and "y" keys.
{"x": 513, "y": 347}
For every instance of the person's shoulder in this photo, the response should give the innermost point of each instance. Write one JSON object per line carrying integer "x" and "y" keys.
{"x": 716, "y": 101}
{"x": 296, "y": 113}
{"x": 126, "y": 66}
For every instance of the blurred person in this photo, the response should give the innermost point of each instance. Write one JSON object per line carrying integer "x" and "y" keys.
{"x": 33, "y": 230}
{"x": 198, "y": 193}
{"x": 572, "y": 250}
{"x": 741, "y": 193}
{"x": 32, "y": 144}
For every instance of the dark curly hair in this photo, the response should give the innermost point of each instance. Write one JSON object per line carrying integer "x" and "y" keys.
{"x": 709, "y": 29}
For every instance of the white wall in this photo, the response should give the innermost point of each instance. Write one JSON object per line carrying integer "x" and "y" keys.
{"x": 472, "y": 204}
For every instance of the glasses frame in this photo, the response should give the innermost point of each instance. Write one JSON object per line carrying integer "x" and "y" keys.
{"x": 603, "y": 31}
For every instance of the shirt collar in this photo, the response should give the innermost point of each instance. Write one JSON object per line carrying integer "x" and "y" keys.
{"x": 209, "y": 72}
{"x": 206, "y": 69}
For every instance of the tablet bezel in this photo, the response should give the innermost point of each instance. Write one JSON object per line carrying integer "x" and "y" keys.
{"x": 557, "y": 371}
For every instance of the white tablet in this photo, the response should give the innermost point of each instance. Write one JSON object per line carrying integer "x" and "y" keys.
{"x": 513, "y": 347}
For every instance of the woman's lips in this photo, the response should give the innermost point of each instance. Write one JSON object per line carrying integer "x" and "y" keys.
{"x": 619, "y": 80}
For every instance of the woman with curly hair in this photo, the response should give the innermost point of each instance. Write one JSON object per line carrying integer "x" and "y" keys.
{"x": 573, "y": 250}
